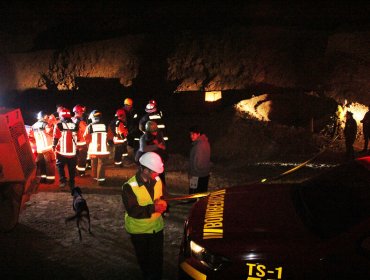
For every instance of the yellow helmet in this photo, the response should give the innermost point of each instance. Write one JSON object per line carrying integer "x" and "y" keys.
{"x": 128, "y": 102}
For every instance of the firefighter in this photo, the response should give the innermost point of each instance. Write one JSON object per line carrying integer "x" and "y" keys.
{"x": 96, "y": 137}
{"x": 42, "y": 133}
{"x": 132, "y": 120}
{"x": 65, "y": 138}
{"x": 59, "y": 108}
{"x": 153, "y": 114}
{"x": 78, "y": 119}
{"x": 141, "y": 196}
{"x": 120, "y": 138}
{"x": 152, "y": 141}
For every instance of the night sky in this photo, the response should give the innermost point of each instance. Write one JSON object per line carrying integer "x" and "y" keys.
{"x": 58, "y": 23}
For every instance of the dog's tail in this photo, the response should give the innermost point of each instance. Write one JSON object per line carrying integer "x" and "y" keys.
{"x": 71, "y": 218}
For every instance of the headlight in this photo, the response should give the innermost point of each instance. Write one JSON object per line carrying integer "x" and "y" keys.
{"x": 206, "y": 258}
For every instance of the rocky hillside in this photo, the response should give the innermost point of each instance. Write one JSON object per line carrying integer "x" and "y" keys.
{"x": 232, "y": 59}
{"x": 174, "y": 53}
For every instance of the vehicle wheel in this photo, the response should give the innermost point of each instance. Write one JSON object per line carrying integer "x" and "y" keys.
{"x": 10, "y": 202}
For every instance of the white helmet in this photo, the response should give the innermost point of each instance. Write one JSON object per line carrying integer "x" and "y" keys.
{"x": 151, "y": 108}
{"x": 152, "y": 161}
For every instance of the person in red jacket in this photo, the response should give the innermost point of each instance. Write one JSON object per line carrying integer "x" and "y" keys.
{"x": 65, "y": 138}
{"x": 120, "y": 138}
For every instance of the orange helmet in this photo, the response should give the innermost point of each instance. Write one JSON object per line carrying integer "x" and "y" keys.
{"x": 120, "y": 113}
{"x": 128, "y": 102}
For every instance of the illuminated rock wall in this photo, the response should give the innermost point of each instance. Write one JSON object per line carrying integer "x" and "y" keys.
{"x": 232, "y": 59}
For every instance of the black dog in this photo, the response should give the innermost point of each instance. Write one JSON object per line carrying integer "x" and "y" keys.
{"x": 81, "y": 209}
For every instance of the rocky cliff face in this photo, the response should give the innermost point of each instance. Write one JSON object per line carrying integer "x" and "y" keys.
{"x": 336, "y": 65}
{"x": 245, "y": 50}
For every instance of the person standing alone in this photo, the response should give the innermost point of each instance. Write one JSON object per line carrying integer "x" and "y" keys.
{"x": 199, "y": 161}
{"x": 350, "y": 132}
{"x": 366, "y": 129}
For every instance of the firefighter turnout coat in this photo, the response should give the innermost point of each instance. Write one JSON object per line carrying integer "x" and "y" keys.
{"x": 96, "y": 136}
{"x": 43, "y": 135}
{"x": 66, "y": 138}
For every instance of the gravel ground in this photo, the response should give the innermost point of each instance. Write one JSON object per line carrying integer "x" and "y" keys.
{"x": 43, "y": 246}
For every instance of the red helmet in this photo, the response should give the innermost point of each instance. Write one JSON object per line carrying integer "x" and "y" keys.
{"x": 152, "y": 101}
{"x": 79, "y": 109}
{"x": 120, "y": 113}
{"x": 64, "y": 113}
{"x": 128, "y": 102}
{"x": 151, "y": 107}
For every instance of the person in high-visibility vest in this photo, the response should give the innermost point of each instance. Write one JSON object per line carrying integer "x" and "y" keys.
{"x": 78, "y": 118}
{"x": 65, "y": 138}
{"x": 42, "y": 133}
{"x": 141, "y": 196}
{"x": 96, "y": 137}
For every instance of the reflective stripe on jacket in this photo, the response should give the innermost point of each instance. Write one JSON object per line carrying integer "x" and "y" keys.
{"x": 81, "y": 130}
{"x": 66, "y": 133}
{"x": 98, "y": 145}
{"x": 120, "y": 132}
{"x": 44, "y": 141}
{"x": 146, "y": 225}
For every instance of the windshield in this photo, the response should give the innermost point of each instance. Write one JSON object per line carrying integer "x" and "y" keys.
{"x": 332, "y": 202}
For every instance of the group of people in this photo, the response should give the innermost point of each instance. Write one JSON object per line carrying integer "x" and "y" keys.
{"x": 61, "y": 140}
{"x": 74, "y": 141}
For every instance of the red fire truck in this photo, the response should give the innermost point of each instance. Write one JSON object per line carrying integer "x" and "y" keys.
{"x": 17, "y": 167}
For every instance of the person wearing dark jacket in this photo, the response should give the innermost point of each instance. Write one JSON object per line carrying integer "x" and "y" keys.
{"x": 152, "y": 141}
{"x": 132, "y": 120}
{"x": 366, "y": 129}
{"x": 350, "y": 132}
{"x": 199, "y": 161}
{"x": 153, "y": 114}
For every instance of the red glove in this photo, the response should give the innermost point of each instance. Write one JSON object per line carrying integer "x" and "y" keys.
{"x": 160, "y": 206}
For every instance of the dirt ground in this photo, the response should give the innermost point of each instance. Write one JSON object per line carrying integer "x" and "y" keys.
{"x": 43, "y": 246}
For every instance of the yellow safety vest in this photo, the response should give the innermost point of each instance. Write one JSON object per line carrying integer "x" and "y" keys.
{"x": 149, "y": 225}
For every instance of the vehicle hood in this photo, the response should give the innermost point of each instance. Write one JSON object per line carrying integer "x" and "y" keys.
{"x": 249, "y": 219}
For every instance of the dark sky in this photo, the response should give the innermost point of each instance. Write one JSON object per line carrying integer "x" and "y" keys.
{"x": 67, "y": 22}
